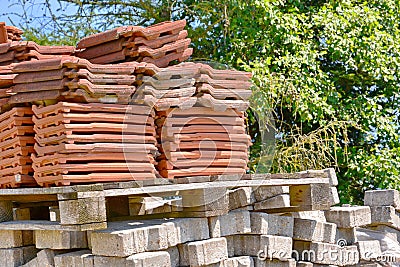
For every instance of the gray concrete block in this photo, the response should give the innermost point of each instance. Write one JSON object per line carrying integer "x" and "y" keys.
{"x": 369, "y": 250}
{"x": 334, "y": 196}
{"x": 55, "y": 239}
{"x": 174, "y": 256}
{"x": 241, "y": 197}
{"x": 144, "y": 259}
{"x": 270, "y": 224}
{"x": 205, "y": 252}
{"x": 333, "y": 180}
{"x": 388, "y": 231}
{"x": 276, "y": 247}
{"x": 389, "y": 197}
{"x": 311, "y": 230}
{"x": 124, "y": 239}
{"x": 265, "y": 192}
{"x": 81, "y": 258}
{"x": 386, "y": 215}
{"x": 304, "y": 264}
{"x": 15, "y": 238}
{"x": 330, "y": 254}
{"x": 233, "y": 223}
{"x": 245, "y": 245}
{"x": 349, "y": 217}
{"x": 346, "y": 234}
{"x": 188, "y": 229}
{"x": 276, "y": 202}
{"x": 274, "y": 263}
{"x": 317, "y": 215}
{"x": 17, "y": 256}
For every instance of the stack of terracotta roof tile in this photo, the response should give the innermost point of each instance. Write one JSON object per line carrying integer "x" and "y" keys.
{"x": 18, "y": 51}
{"x": 16, "y": 145}
{"x": 201, "y": 141}
{"x": 200, "y": 120}
{"x": 67, "y": 78}
{"x": 9, "y": 33}
{"x": 80, "y": 143}
{"x": 159, "y": 44}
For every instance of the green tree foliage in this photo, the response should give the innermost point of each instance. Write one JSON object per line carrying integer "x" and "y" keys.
{"x": 327, "y": 70}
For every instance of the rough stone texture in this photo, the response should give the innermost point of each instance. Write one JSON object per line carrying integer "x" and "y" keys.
{"x": 349, "y": 217}
{"x": 317, "y": 215}
{"x": 265, "y": 192}
{"x": 81, "y": 258}
{"x": 233, "y": 223}
{"x": 269, "y": 224}
{"x": 55, "y": 239}
{"x": 206, "y": 252}
{"x": 15, "y": 238}
{"x": 386, "y": 215}
{"x": 310, "y": 230}
{"x": 369, "y": 250}
{"x": 389, "y": 197}
{"x": 276, "y": 247}
{"x": 311, "y": 197}
{"x": 276, "y": 202}
{"x": 274, "y": 263}
{"x": 241, "y": 197}
{"x": 17, "y": 256}
{"x": 145, "y": 259}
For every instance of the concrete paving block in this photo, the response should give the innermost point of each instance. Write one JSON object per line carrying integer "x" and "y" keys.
{"x": 246, "y": 245}
{"x": 317, "y": 215}
{"x": 270, "y": 224}
{"x": 126, "y": 238}
{"x": 333, "y": 180}
{"x": 389, "y": 197}
{"x": 276, "y": 247}
{"x": 265, "y": 192}
{"x": 81, "y": 258}
{"x": 205, "y": 252}
{"x": 347, "y": 234}
{"x": 276, "y": 202}
{"x": 144, "y": 259}
{"x": 369, "y": 250}
{"x": 349, "y": 217}
{"x": 334, "y": 196}
{"x": 385, "y": 215}
{"x": 330, "y": 254}
{"x": 15, "y": 238}
{"x": 274, "y": 263}
{"x": 304, "y": 264}
{"x": 55, "y": 239}
{"x": 241, "y": 197}
{"x": 388, "y": 231}
{"x": 311, "y": 230}
{"x": 174, "y": 256}
{"x": 44, "y": 258}
{"x": 243, "y": 261}
{"x": 188, "y": 229}
{"x": 17, "y": 256}
{"x": 233, "y": 223}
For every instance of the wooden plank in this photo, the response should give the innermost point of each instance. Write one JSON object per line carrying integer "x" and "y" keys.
{"x": 48, "y": 225}
{"x": 208, "y": 185}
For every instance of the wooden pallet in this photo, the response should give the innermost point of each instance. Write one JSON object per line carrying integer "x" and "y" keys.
{"x": 89, "y": 207}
